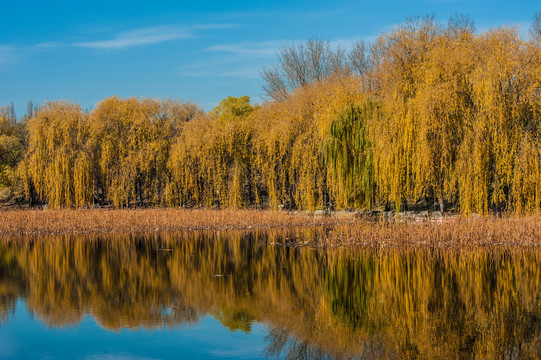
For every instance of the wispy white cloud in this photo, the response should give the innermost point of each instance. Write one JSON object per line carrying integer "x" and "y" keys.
{"x": 149, "y": 35}
{"x": 144, "y": 36}
{"x": 213, "y": 69}
{"x": 269, "y": 49}
{"x": 246, "y": 59}
{"x": 251, "y": 48}
{"x": 252, "y": 72}
{"x": 239, "y": 60}
{"x": 347, "y": 43}
{"x": 440, "y": 2}
{"x": 48, "y": 45}
{"x": 8, "y": 57}
{"x": 116, "y": 357}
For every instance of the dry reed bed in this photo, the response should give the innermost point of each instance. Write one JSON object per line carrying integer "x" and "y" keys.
{"x": 96, "y": 221}
{"x": 461, "y": 232}
{"x": 340, "y": 231}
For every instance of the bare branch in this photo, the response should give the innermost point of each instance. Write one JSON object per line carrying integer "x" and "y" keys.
{"x": 301, "y": 64}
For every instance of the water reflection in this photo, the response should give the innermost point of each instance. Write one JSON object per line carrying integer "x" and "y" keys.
{"x": 337, "y": 304}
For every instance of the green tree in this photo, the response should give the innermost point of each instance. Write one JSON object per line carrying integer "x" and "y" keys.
{"x": 349, "y": 154}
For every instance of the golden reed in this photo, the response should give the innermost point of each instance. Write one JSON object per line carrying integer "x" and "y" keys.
{"x": 340, "y": 231}
{"x": 456, "y": 232}
{"x": 98, "y": 221}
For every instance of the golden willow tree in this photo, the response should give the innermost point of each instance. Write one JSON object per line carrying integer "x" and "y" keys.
{"x": 428, "y": 113}
{"x": 400, "y": 62}
{"x": 441, "y": 108}
{"x": 11, "y": 147}
{"x": 289, "y": 139}
{"x": 461, "y": 116}
{"x": 57, "y": 167}
{"x": 210, "y": 163}
{"x": 501, "y": 147}
{"x": 116, "y": 154}
{"x": 131, "y": 140}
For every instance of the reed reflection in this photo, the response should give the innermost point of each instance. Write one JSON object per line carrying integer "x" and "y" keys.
{"x": 334, "y": 304}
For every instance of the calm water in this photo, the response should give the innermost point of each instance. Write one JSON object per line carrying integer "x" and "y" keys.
{"x": 233, "y": 295}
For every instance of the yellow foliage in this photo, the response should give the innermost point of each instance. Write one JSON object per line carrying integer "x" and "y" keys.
{"x": 454, "y": 117}
{"x": 210, "y": 162}
{"x": 456, "y": 109}
{"x": 415, "y": 303}
{"x": 57, "y": 164}
{"x": 289, "y": 138}
{"x": 130, "y": 142}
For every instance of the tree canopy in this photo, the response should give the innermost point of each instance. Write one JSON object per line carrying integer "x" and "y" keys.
{"x": 427, "y": 113}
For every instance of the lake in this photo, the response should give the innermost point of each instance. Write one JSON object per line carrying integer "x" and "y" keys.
{"x": 242, "y": 295}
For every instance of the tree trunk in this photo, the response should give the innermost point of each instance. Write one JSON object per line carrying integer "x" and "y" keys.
{"x": 442, "y": 206}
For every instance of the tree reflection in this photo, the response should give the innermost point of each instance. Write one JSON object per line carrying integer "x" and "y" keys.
{"x": 427, "y": 303}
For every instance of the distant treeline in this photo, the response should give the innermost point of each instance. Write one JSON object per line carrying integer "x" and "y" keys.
{"x": 426, "y": 113}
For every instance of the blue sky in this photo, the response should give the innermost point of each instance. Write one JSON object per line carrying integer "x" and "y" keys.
{"x": 200, "y": 51}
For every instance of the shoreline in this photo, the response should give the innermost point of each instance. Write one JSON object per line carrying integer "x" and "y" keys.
{"x": 343, "y": 229}
{"x": 31, "y": 222}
